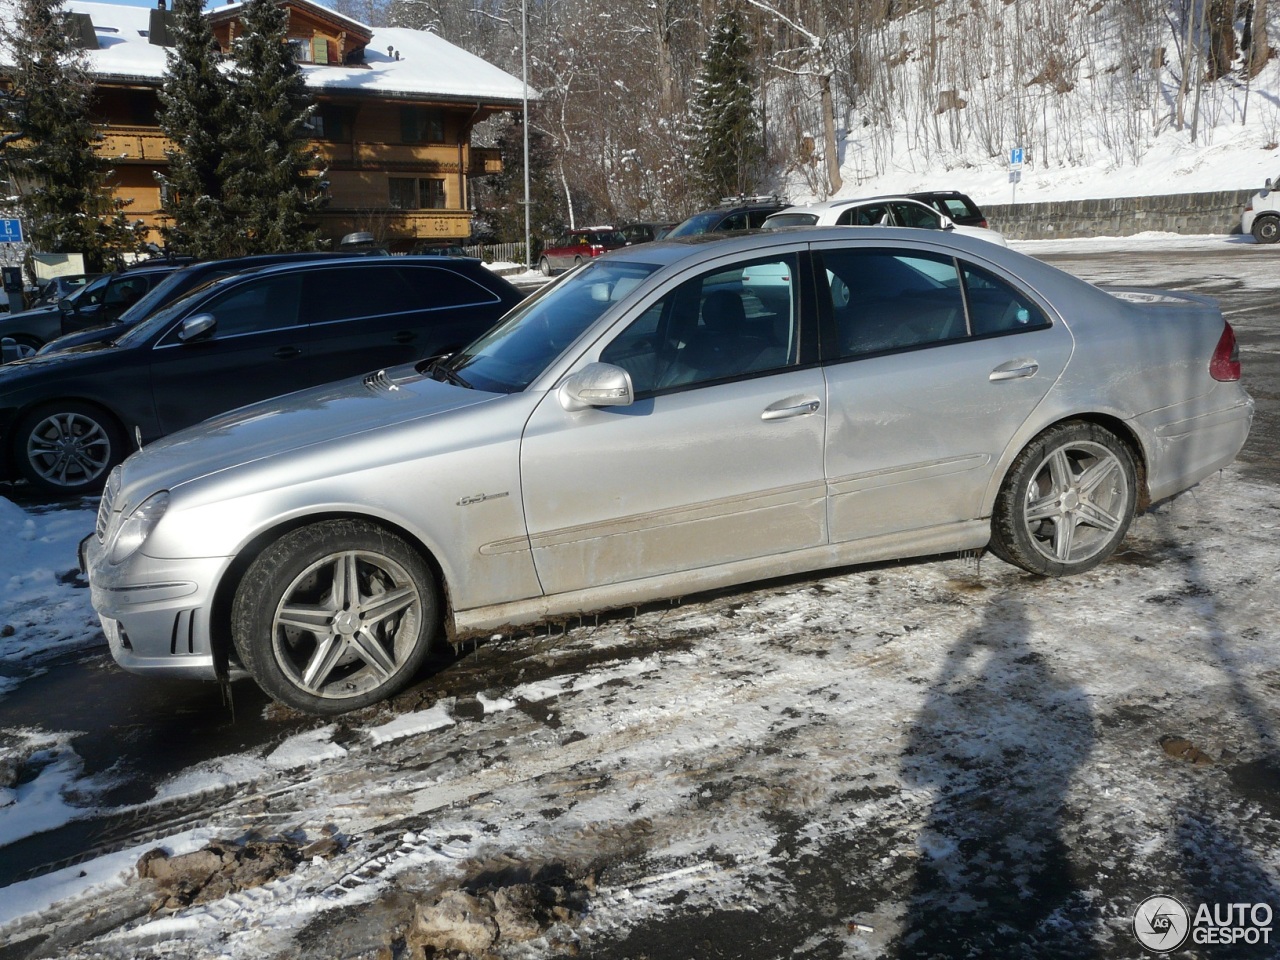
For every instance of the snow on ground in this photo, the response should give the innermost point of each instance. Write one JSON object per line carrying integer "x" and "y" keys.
{"x": 888, "y": 734}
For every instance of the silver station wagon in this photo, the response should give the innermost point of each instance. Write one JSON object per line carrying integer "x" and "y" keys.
{"x": 666, "y": 419}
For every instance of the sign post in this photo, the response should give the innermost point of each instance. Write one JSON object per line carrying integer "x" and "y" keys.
{"x": 1015, "y": 171}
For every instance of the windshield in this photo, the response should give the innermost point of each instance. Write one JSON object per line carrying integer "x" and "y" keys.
{"x": 790, "y": 220}
{"x": 90, "y": 292}
{"x": 511, "y": 356}
{"x": 698, "y": 223}
{"x": 162, "y": 318}
{"x": 152, "y": 299}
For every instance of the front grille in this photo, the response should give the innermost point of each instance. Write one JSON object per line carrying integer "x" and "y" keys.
{"x": 104, "y": 515}
{"x": 107, "y": 503}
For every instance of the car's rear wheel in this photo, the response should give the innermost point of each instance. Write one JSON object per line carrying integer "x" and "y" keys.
{"x": 1067, "y": 501}
{"x": 68, "y": 448}
{"x": 1266, "y": 229}
{"x": 335, "y": 616}
{"x": 545, "y": 266}
{"x": 577, "y": 261}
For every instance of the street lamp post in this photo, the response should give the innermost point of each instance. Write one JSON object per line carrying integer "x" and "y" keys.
{"x": 524, "y": 76}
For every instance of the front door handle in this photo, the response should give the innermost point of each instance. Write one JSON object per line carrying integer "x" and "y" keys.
{"x": 1014, "y": 370}
{"x": 791, "y": 407}
{"x": 405, "y": 336}
{"x": 287, "y": 353}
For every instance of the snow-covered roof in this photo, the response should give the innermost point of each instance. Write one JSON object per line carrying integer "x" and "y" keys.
{"x": 428, "y": 66}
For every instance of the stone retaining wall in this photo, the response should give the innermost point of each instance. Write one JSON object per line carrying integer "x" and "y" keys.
{"x": 1191, "y": 213}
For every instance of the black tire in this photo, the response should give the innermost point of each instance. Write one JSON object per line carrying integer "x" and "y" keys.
{"x": 1066, "y": 502}
{"x": 293, "y": 615}
{"x": 577, "y": 262}
{"x": 545, "y": 266}
{"x": 27, "y": 345}
{"x": 1266, "y": 229}
{"x": 67, "y": 448}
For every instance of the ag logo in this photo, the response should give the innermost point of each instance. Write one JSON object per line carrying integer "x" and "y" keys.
{"x": 1161, "y": 923}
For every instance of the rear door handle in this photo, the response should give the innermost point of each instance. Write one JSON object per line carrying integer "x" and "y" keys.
{"x": 1014, "y": 370}
{"x": 287, "y": 353}
{"x": 791, "y": 407}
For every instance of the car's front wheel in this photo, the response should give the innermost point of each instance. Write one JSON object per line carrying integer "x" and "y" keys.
{"x": 25, "y": 346}
{"x": 1266, "y": 229}
{"x": 335, "y": 616}
{"x": 1067, "y": 501}
{"x": 545, "y": 266}
{"x": 68, "y": 448}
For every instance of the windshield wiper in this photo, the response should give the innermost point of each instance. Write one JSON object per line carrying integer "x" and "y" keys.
{"x": 439, "y": 371}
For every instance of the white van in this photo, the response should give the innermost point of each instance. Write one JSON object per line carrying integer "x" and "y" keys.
{"x": 1261, "y": 215}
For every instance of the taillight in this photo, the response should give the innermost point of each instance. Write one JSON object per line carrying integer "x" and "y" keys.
{"x": 1225, "y": 364}
{"x": 983, "y": 223}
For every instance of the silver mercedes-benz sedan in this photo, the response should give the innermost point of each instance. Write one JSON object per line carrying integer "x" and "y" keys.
{"x": 667, "y": 419}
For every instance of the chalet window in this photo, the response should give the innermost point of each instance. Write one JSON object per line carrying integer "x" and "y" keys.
{"x": 410, "y": 193}
{"x": 431, "y": 190}
{"x": 421, "y": 125}
{"x": 143, "y": 107}
{"x": 330, "y": 123}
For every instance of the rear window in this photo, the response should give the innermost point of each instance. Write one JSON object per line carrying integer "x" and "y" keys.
{"x": 790, "y": 220}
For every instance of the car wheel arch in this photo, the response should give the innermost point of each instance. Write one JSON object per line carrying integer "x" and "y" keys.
{"x": 1027, "y": 436}
{"x": 225, "y": 591}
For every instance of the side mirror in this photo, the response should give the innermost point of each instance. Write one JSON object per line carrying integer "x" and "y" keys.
{"x": 597, "y": 385}
{"x": 66, "y": 307}
{"x": 197, "y": 326}
{"x": 1267, "y": 185}
{"x": 946, "y": 223}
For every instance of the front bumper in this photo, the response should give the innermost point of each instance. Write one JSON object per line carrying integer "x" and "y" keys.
{"x": 156, "y": 614}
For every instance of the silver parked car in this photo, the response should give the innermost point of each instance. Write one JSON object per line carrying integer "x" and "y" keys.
{"x": 667, "y": 419}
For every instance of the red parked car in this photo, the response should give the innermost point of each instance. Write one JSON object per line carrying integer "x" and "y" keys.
{"x": 574, "y": 247}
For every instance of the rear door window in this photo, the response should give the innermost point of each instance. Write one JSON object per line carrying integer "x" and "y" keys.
{"x": 889, "y": 300}
{"x": 885, "y": 300}
{"x": 335, "y": 294}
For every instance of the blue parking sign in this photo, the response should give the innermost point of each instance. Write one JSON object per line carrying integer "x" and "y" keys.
{"x": 1015, "y": 157}
{"x": 10, "y": 231}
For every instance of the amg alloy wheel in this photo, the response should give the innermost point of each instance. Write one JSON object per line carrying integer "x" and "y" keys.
{"x": 1067, "y": 501}
{"x": 335, "y": 616}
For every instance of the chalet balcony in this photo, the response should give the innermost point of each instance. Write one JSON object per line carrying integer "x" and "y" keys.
{"x": 440, "y": 158}
{"x": 133, "y": 145}
{"x": 122, "y": 144}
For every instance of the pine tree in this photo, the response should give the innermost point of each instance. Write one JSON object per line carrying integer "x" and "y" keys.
{"x": 727, "y": 138}
{"x": 66, "y": 201}
{"x": 499, "y": 197}
{"x": 269, "y": 190}
{"x": 195, "y": 108}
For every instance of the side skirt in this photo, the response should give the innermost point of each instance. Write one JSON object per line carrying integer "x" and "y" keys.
{"x": 500, "y": 617}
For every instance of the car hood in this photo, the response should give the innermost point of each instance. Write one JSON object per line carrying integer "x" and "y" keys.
{"x": 285, "y": 425}
{"x": 27, "y": 314}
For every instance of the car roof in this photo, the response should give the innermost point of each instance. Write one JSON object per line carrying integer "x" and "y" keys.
{"x": 662, "y": 253}
{"x": 470, "y": 266}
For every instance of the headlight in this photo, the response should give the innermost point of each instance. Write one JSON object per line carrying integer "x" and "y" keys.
{"x": 138, "y": 526}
